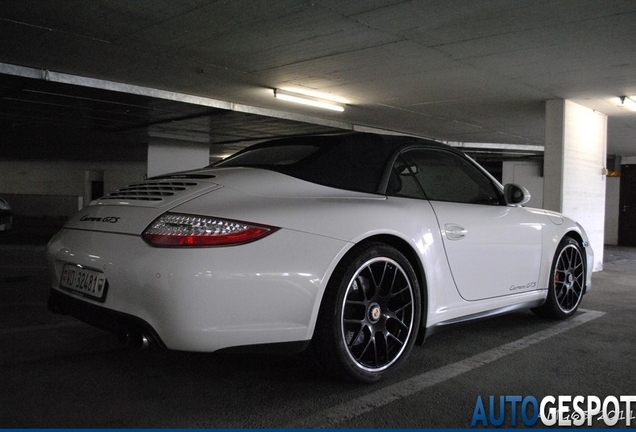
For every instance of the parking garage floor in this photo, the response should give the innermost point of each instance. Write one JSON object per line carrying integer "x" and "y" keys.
{"x": 56, "y": 372}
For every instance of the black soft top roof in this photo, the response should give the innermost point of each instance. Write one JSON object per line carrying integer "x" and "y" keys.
{"x": 353, "y": 161}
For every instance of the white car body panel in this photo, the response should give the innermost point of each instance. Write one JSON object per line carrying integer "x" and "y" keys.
{"x": 491, "y": 253}
{"x": 265, "y": 292}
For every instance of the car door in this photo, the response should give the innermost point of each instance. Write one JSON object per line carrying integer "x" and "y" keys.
{"x": 493, "y": 249}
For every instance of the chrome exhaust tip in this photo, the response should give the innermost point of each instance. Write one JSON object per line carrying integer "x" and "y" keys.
{"x": 145, "y": 342}
{"x": 134, "y": 339}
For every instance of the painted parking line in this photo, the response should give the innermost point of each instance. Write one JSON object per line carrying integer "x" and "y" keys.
{"x": 351, "y": 409}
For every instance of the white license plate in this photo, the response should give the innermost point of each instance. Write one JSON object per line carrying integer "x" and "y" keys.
{"x": 87, "y": 282}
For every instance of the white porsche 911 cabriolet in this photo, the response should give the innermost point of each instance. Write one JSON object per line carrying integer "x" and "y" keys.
{"x": 354, "y": 246}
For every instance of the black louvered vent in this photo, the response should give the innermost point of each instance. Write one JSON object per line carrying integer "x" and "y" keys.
{"x": 150, "y": 191}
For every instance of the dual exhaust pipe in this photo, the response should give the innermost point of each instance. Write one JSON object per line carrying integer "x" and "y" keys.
{"x": 130, "y": 333}
{"x": 134, "y": 339}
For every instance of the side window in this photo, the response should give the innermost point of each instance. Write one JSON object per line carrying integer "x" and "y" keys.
{"x": 446, "y": 176}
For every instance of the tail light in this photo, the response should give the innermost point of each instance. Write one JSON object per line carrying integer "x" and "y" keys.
{"x": 181, "y": 230}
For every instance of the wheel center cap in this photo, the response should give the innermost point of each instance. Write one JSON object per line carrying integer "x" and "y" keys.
{"x": 375, "y": 312}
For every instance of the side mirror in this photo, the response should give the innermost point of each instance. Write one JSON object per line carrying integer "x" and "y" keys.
{"x": 516, "y": 195}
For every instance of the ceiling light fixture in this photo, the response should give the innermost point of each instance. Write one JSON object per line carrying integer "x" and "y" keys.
{"x": 308, "y": 100}
{"x": 628, "y": 102}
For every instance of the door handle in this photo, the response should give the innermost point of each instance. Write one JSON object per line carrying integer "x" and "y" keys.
{"x": 455, "y": 232}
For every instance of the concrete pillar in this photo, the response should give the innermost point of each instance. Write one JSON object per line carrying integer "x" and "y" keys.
{"x": 574, "y": 168}
{"x": 170, "y": 155}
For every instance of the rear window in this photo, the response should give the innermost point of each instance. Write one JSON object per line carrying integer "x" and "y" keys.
{"x": 353, "y": 162}
{"x": 271, "y": 156}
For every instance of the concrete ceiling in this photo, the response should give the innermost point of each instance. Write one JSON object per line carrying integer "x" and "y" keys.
{"x": 455, "y": 70}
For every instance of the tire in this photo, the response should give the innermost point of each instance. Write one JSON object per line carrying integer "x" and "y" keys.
{"x": 370, "y": 314}
{"x": 567, "y": 281}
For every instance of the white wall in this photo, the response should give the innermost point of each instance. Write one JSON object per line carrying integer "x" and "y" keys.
{"x": 55, "y": 189}
{"x": 628, "y": 160}
{"x": 168, "y": 156}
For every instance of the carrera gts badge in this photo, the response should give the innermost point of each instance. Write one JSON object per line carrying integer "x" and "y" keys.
{"x": 107, "y": 219}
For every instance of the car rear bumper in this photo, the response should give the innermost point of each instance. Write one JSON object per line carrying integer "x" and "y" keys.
{"x": 199, "y": 299}
{"x": 129, "y": 329}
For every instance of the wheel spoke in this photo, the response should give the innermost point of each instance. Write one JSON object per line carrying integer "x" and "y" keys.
{"x": 364, "y": 286}
{"x": 376, "y": 273}
{"x": 368, "y": 345}
{"x": 397, "y": 341}
{"x": 395, "y": 321}
{"x": 352, "y": 335}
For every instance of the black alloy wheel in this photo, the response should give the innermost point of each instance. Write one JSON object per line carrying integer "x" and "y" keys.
{"x": 370, "y": 314}
{"x": 567, "y": 281}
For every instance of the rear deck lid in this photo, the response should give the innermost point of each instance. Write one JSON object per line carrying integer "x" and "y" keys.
{"x": 129, "y": 210}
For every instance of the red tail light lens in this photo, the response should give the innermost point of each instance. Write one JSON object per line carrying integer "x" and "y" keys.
{"x": 180, "y": 230}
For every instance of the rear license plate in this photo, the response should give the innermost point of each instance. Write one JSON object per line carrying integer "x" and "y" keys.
{"x": 83, "y": 281}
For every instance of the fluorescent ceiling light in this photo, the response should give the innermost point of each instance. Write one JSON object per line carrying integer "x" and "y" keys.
{"x": 307, "y": 100}
{"x": 628, "y": 102}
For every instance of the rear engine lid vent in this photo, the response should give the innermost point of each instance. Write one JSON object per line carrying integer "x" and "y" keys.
{"x": 150, "y": 191}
